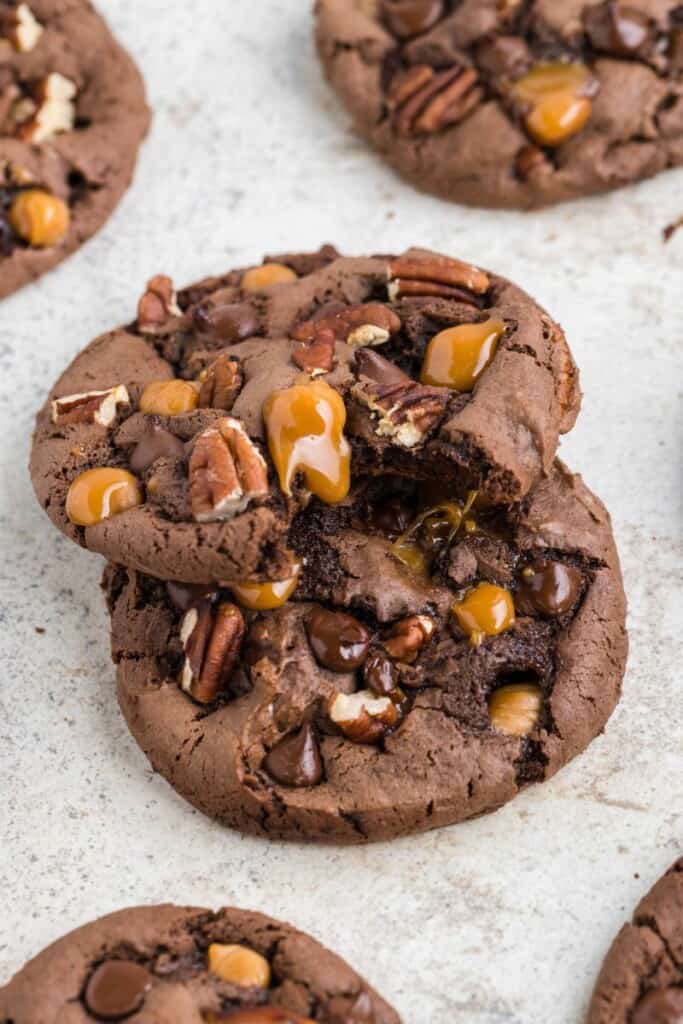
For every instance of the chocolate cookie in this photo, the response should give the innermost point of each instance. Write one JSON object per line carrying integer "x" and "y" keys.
{"x": 437, "y": 656}
{"x": 512, "y": 104}
{"x": 72, "y": 117}
{"x": 642, "y": 979}
{"x": 181, "y": 965}
{"x": 183, "y": 444}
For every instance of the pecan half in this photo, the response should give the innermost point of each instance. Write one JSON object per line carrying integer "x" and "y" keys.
{"x": 221, "y": 383}
{"x": 317, "y": 355}
{"x": 435, "y": 275}
{"x": 424, "y": 101}
{"x": 211, "y": 637}
{"x": 406, "y": 412}
{"x": 360, "y": 325}
{"x": 227, "y": 472}
{"x": 20, "y": 27}
{"x": 90, "y": 407}
{"x": 52, "y": 112}
{"x": 363, "y": 716}
{"x": 157, "y": 305}
{"x": 408, "y": 637}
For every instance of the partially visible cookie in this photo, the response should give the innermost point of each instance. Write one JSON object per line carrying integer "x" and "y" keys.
{"x": 641, "y": 981}
{"x": 183, "y": 444}
{"x": 437, "y": 657}
{"x": 72, "y": 118}
{"x": 184, "y": 965}
{"x": 511, "y": 104}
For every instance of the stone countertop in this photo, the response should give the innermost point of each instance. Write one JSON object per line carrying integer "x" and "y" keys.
{"x": 504, "y": 919}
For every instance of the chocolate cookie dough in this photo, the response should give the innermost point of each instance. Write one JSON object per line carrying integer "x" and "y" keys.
{"x": 72, "y": 117}
{"x": 437, "y": 656}
{"x": 184, "y": 965}
{"x": 642, "y": 979}
{"x": 183, "y": 444}
{"x": 511, "y": 104}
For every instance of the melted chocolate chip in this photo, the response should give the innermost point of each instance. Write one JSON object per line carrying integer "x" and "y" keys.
{"x": 370, "y": 364}
{"x": 391, "y": 518}
{"x": 116, "y": 989}
{"x": 156, "y": 443}
{"x": 664, "y": 1006}
{"x": 504, "y": 56}
{"x": 184, "y": 595}
{"x": 338, "y": 641}
{"x": 548, "y": 588}
{"x": 229, "y": 321}
{"x": 296, "y": 760}
{"x": 408, "y": 18}
{"x": 381, "y": 675}
{"x": 613, "y": 28}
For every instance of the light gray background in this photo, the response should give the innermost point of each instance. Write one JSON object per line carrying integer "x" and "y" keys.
{"x": 505, "y": 919}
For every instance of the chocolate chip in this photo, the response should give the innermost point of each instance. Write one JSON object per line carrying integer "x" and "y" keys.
{"x": 391, "y": 518}
{"x": 229, "y": 321}
{"x": 374, "y": 366}
{"x": 548, "y": 588}
{"x": 296, "y": 760}
{"x": 155, "y": 443}
{"x": 408, "y": 18}
{"x": 504, "y": 56}
{"x": 116, "y": 989}
{"x": 381, "y": 675}
{"x": 338, "y": 641}
{"x": 623, "y": 31}
{"x": 184, "y": 595}
{"x": 664, "y": 1006}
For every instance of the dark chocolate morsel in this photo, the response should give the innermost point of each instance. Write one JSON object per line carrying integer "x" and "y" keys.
{"x": 370, "y": 364}
{"x": 391, "y": 517}
{"x": 408, "y": 18}
{"x": 616, "y": 29}
{"x": 228, "y": 321}
{"x": 381, "y": 675}
{"x": 184, "y": 595}
{"x": 504, "y": 56}
{"x": 116, "y": 989}
{"x": 156, "y": 443}
{"x": 663, "y": 1006}
{"x": 339, "y": 641}
{"x": 548, "y": 588}
{"x": 296, "y": 760}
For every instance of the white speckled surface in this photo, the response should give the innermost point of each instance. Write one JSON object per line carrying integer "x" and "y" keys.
{"x": 505, "y": 919}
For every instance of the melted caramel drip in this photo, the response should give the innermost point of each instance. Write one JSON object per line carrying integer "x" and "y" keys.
{"x": 305, "y": 426}
{"x": 98, "y": 494}
{"x": 486, "y": 611}
{"x": 407, "y": 548}
{"x": 262, "y": 597}
{"x": 457, "y": 357}
{"x": 559, "y": 106}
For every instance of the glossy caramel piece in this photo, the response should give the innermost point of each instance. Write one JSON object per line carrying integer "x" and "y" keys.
{"x": 169, "y": 397}
{"x": 101, "y": 493}
{"x": 515, "y": 709}
{"x": 258, "y": 278}
{"x": 305, "y": 427}
{"x": 486, "y": 611}
{"x": 39, "y": 218}
{"x": 239, "y": 965}
{"x": 557, "y": 94}
{"x": 457, "y": 357}
{"x": 264, "y": 597}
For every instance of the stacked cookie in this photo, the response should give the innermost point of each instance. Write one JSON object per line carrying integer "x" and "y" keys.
{"x": 353, "y": 592}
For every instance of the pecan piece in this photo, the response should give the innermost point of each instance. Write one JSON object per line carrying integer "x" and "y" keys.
{"x": 227, "y": 472}
{"x": 90, "y": 407}
{"x": 52, "y": 112}
{"x": 363, "y": 716}
{"x": 406, "y": 412}
{"x": 221, "y": 383}
{"x": 435, "y": 275}
{"x": 408, "y": 637}
{"x": 19, "y": 25}
{"x": 211, "y": 638}
{"x": 361, "y": 325}
{"x": 425, "y": 101}
{"x": 157, "y": 305}
{"x": 317, "y": 355}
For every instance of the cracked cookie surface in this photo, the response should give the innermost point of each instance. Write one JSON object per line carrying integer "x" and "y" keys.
{"x": 72, "y": 118}
{"x": 181, "y": 965}
{"x": 437, "y": 656}
{"x": 177, "y": 445}
{"x": 516, "y": 104}
{"x": 642, "y": 979}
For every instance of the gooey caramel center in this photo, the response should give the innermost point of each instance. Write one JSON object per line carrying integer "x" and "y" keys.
{"x": 305, "y": 428}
